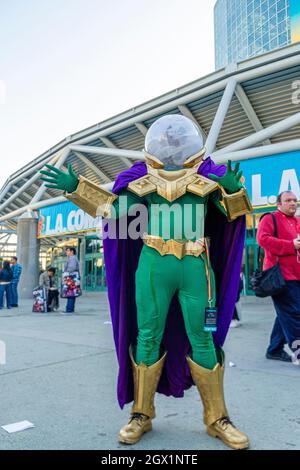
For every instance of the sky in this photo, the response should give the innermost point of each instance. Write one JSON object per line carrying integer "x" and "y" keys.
{"x": 69, "y": 64}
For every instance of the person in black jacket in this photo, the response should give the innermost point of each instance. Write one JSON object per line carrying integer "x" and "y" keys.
{"x": 6, "y": 276}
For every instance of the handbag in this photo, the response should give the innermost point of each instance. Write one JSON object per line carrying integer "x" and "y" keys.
{"x": 70, "y": 285}
{"x": 39, "y": 300}
{"x": 270, "y": 281}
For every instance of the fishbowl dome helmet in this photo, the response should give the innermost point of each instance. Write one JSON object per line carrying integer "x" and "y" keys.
{"x": 173, "y": 139}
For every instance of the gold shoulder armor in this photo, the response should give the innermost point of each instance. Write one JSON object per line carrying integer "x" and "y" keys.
{"x": 202, "y": 186}
{"x": 236, "y": 204}
{"x": 142, "y": 186}
{"x": 92, "y": 198}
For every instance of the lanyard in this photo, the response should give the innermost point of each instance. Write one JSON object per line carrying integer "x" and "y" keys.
{"x": 208, "y": 275}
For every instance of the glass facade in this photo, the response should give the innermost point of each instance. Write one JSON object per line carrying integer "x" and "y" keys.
{"x": 247, "y": 28}
{"x": 93, "y": 267}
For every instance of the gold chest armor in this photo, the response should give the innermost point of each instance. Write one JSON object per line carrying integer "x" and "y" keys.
{"x": 172, "y": 184}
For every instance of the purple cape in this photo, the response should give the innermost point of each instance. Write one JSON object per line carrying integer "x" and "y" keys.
{"x": 121, "y": 260}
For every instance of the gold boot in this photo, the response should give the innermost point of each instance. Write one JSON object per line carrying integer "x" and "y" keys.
{"x": 210, "y": 386}
{"x": 145, "y": 381}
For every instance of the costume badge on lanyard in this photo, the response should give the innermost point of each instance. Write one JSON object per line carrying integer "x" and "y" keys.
{"x": 210, "y": 316}
{"x": 210, "y": 319}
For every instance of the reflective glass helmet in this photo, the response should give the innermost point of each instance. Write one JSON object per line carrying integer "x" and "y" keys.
{"x": 173, "y": 139}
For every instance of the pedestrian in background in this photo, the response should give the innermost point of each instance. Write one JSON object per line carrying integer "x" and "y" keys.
{"x": 16, "y": 270}
{"x": 6, "y": 277}
{"x": 48, "y": 282}
{"x": 286, "y": 250}
{"x": 71, "y": 266}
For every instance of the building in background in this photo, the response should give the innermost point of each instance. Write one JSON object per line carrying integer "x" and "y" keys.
{"x": 250, "y": 114}
{"x": 71, "y": 226}
{"x": 247, "y": 28}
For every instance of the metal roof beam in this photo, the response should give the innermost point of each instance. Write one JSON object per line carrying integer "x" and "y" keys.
{"x": 30, "y": 171}
{"x": 141, "y": 127}
{"x": 249, "y": 110}
{"x": 114, "y": 152}
{"x": 217, "y": 124}
{"x": 4, "y": 231}
{"x": 35, "y": 206}
{"x": 60, "y": 161}
{"x": 111, "y": 145}
{"x": 24, "y": 193}
{"x": 259, "y": 136}
{"x": 5, "y": 191}
{"x": 93, "y": 167}
{"x": 206, "y": 86}
{"x": 21, "y": 200}
{"x": 13, "y": 205}
{"x": 44, "y": 203}
{"x": 247, "y": 70}
{"x": 255, "y": 152}
{"x": 3, "y": 242}
{"x": 23, "y": 187}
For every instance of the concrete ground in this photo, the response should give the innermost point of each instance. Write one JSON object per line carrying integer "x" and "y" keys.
{"x": 60, "y": 374}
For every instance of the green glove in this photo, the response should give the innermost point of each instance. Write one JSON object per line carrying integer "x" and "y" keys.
{"x": 231, "y": 180}
{"x": 58, "y": 179}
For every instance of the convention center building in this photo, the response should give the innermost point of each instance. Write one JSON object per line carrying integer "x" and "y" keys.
{"x": 247, "y": 112}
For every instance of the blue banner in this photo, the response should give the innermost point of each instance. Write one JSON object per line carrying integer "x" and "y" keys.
{"x": 266, "y": 177}
{"x": 65, "y": 218}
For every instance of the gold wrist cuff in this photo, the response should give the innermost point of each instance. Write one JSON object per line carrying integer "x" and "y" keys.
{"x": 92, "y": 198}
{"x": 236, "y": 204}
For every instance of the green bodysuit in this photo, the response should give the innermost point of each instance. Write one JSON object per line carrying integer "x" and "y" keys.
{"x": 159, "y": 278}
{"x": 174, "y": 261}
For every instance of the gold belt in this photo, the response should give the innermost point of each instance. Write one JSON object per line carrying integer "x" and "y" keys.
{"x": 174, "y": 247}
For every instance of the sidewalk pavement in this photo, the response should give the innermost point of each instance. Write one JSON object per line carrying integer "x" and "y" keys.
{"x": 61, "y": 371}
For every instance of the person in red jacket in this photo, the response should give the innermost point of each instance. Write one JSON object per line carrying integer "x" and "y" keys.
{"x": 286, "y": 249}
